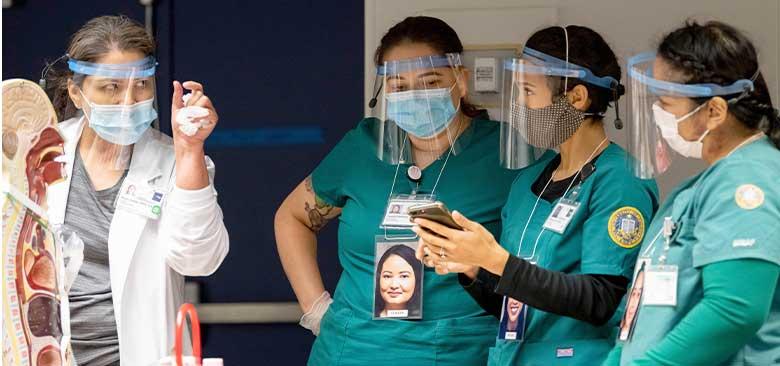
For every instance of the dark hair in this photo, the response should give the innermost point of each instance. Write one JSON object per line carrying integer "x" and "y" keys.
{"x": 407, "y": 254}
{"x": 431, "y": 31}
{"x": 718, "y": 53}
{"x": 587, "y": 49}
{"x": 94, "y": 40}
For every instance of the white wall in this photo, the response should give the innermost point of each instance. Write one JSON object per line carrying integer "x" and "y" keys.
{"x": 630, "y": 26}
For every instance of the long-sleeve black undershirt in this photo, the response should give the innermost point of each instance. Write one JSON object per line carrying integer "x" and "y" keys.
{"x": 592, "y": 298}
{"x": 586, "y": 297}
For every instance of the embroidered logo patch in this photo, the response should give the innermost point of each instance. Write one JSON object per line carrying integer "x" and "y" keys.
{"x": 626, "y": 227}
{"x": 749, "y": 196}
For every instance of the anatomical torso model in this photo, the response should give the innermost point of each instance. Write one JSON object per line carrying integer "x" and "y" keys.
{"x": 35, "y": 317}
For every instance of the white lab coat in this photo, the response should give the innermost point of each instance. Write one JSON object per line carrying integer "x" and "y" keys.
{"x": 149, "y": 258}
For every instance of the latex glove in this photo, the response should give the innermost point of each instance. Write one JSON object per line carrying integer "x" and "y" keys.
{"x": 72, "y": 253}
{"x": 311, "y": 320}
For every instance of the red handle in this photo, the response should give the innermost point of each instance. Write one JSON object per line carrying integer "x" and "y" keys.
{"x": 184, "y": 310}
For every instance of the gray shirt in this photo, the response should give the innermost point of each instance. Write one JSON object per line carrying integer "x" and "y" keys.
{"x": 93, "y": 326}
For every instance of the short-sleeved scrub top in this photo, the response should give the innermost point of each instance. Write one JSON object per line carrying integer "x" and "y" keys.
{"x": 454, "y": 329}
{"x": 729, "y": 211}
{"x": 603, "y": 238}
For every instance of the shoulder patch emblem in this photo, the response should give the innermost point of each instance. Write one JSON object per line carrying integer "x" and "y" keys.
{"x": 749, "y": 196}
{"x": 626, "y": 227}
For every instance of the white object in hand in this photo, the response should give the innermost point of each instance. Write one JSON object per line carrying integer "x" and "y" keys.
{"x": 311, "y": 320}
{"x": 187, "y": 116}
{"x": 72, "y": 253}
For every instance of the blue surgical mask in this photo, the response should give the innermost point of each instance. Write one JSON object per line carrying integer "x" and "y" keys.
{"x": 422, "y": 113}
{"x": 121, "y": 124}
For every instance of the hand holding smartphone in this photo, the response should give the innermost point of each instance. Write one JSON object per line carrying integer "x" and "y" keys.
{"x": 435, "y": 211}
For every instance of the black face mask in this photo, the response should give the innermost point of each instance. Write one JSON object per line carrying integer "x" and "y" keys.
{"x": 550, "y": 126}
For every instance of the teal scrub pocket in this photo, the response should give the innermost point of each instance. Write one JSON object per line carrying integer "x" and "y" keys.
{"x": 465, "y": 341}
{"x": 329, "y": 345}
{"x": 502, "y": 352}
{"x": 574, "y": 353}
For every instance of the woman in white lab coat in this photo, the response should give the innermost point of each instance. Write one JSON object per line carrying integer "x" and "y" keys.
{"x": 144, "y": 204}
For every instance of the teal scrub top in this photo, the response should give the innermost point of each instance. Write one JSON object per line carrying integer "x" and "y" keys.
{"x": 454, "y": 329}
{"x": 603, "y": 237}
{"x": 729, "y": 211}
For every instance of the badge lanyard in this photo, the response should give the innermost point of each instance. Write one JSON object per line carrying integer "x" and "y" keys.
{"x": 651, "y": 248}
{"x": 433, "y": 191}
{"x": 435, "y": 185}
{"x": 536, "y": 242}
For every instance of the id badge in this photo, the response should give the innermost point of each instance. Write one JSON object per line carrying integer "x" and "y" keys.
{"x": 397, "y": 211}
{"x": 398, "y": 280}
{"x": 140, "y": 199}
{"x": 561, "y": 215}
{"x": 636, "y": 297}
{"x": 661, "y": 286}
{"x": 513, "y": 314}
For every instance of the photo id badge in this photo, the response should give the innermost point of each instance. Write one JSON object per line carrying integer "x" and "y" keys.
{"x": 512, "y": 326}
{"x": 561, "y": 215}
{"x": 397, "y": 211}
{"x": 398, "y": 279}
{"x": 661, "y": 286}
{"x": 633, "y": 303}
{"x": 141, "y": 199}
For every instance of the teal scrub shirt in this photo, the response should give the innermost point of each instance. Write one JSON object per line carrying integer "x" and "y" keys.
{"x": 594, "y": 242}
{"x": 729, "y": 211}
{"x": 454, "y": 329}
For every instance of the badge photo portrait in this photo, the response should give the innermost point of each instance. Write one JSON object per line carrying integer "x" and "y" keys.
{"x": 397, "y": 281}
{"x": 632, "y": 304}
{"x": 512, "y": 325}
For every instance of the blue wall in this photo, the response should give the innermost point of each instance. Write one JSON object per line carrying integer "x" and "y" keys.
{"x": 286, "y": 78}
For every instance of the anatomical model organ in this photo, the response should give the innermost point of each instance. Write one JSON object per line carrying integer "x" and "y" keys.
{"x": 35, "y": 316}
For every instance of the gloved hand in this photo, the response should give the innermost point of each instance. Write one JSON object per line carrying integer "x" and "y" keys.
{"x": 311, "y": 320}
{"x": 72, "y": 249}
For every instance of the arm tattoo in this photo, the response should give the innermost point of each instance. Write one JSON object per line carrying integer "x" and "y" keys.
{"x": 319, "y": 212}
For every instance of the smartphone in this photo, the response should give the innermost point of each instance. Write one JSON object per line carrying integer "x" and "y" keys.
{"x": 435, "y": 211}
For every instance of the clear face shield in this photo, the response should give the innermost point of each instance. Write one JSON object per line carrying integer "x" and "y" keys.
{"x": 535, "y": 112}
{"x": 419, "y": 112}
{"x": 658, "y": 105}
{"x": 118, "y": 102}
